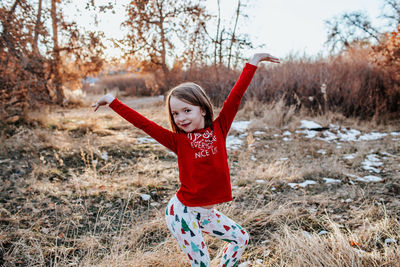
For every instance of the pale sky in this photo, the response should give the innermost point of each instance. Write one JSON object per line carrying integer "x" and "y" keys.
{"x": 283, "y": 26}
{"x": 297, "y": 26}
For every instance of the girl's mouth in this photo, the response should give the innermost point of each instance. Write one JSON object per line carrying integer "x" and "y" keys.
{"x": 185, "y": 125}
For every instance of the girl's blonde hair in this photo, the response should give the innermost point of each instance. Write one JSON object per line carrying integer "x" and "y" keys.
{"x": 193, "y": 94}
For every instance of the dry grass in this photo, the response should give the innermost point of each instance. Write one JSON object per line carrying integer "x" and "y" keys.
{"x": 72, "y": 183}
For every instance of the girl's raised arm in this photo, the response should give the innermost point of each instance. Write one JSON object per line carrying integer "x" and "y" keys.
{"x": 232, "y": 103}
{"x": 159, "y": 133}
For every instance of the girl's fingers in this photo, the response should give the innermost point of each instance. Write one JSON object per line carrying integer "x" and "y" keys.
{"x": 272, "y": 59}
{"x": 96, "y": 106}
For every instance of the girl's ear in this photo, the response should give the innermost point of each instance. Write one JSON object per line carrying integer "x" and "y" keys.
{"x": 203, "y": 112}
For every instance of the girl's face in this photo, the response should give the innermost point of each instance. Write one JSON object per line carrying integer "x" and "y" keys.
{"x": 186, "y": 116}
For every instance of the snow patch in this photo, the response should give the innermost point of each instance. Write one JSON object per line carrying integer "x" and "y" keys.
{"x": 372, "y": 136}
{"x": 348, "y": 135}
{"x": 370, "y": 179}
{"x": 331, "y": 181}
{"x": 259, "y": 133}
{"x": 371, "y": 163}
{"x": 305, "y": 124}
{"x": 350, "y": 156}
{"x": 146, "y": 140}
{"x": 233, "y": 142}
{"x": 145, "y": 197}
{"x": 303, "y": 184}
{"x": 240, "y": 126}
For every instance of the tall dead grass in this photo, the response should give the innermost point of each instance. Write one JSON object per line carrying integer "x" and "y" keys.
{"x": 349, "y": 84}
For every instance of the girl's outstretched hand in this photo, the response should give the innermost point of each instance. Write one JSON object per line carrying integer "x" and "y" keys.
{"x": 104, "y": 100}
{"x": 258, "y": 57}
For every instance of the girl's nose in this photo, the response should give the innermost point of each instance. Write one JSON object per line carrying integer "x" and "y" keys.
{"x": 179, "y": 118}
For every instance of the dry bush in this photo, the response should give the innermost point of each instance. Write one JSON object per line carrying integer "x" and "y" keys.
{"x": 348, "y": 84}
{"x": 217, "y": 81}
{"x": 126, "y": 84}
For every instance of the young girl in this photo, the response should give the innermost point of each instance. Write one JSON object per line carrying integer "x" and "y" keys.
{"x": 199, "y": 143}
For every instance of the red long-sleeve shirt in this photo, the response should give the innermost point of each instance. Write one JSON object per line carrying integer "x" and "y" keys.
{"x": 202, "y": 157}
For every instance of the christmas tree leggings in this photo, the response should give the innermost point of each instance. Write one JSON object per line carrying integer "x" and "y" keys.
{"x": 187, "y": 225}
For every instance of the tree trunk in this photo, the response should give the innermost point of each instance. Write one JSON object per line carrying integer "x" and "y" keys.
{"x": 220, "y": 43}
{"x": 163, "y": 49}
{"x": 56, "y": 54}
{"x": 233, "y": 35}
{"x": 37, "y": 25}
{"x": 217, "y": 34}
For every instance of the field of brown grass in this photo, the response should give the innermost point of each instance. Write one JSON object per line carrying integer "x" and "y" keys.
{"x": 88, "y": 189}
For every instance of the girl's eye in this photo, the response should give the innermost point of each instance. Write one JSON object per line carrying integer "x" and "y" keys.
{"x": 174, "y": 114}
{"x": 187, "y": 110}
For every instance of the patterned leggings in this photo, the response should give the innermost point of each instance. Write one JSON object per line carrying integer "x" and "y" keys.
{"x": 187, "y": 225}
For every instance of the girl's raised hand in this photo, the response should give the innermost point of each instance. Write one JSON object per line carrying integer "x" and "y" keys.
{"x": 104, "y": 100}
{"x": 258, "y": 57}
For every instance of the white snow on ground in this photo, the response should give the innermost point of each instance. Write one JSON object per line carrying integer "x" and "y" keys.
{"x": 240, "y": 126}
{"x": 350, "y": 156}
{"x": 323, "y": 232}
{"x": 305, "y": 124}
{"x": 369, "y": 179}
{"x": 329, "y": 136}
{"x": 259, "y": 133}
{"x": 372, "y": 136}
{"x": 387, "y": 154}
{"x": 233, "y": 142}
{"x": 104, "y": 156}
{"x": 331, "y": 181}
{"x": 302, "y": 184}
{"x": 146, "y": 140}
{"x": 344, "y": 135}
{"x": 366, "y": 179}
{"x": 389, "y": 241}
{"x": 308, "y": 133}
{"x": 371, "y": 163}
{"x": 348, "y": 135}
{"x": 145, "y": 197}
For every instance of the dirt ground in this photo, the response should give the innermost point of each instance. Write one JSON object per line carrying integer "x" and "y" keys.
{"x": 88, "y": 189}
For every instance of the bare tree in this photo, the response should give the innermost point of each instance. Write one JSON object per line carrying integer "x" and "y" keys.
{"x": 155, "y": 27}
{"x": 356, "y": 27}
{"x": 228, "y": 42}
{"x": 36, "y": 64}
{"x": 393, "y": 15}
{"x": 350, "y": 28}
